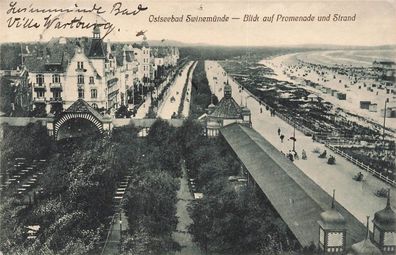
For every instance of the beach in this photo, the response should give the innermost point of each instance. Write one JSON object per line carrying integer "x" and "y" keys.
{"x": 350, "y": 76}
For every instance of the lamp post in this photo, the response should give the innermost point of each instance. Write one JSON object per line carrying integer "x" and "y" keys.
{"x": 383, "y": 130}
{"x": 294, "y": 136}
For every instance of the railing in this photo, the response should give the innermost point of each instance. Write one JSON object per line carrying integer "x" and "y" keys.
{"x": 56, "y": 99}
{"x": 39, "y": 85}
{"x": 303, "y": 129}
{"x": 55, "y": 85}
{"x": 39, "y": 99}
{"x": 361, "y": 165}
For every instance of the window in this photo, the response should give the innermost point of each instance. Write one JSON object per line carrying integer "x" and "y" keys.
{"x": 91, "y": 80}
{"x": 80, "y": 79}
{"x": 80, "y": 93}
{"x": 40, "y": 94}
{"x": 57, "y": 94}
{"x": 55, "y": 78}
{"x": 39, "y": 79}
{"x": 80, "y": 65}
{"x": 94, "y": 93}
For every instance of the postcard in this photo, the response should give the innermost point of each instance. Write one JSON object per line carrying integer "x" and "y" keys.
{"x": 197, "y": 127}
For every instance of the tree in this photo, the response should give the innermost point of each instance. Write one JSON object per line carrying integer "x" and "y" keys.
{"x": 7, "y": 95}
{"x": 190, "y": 136}
{"x": 151, "y": 204}
{"x": 123, "y": 112}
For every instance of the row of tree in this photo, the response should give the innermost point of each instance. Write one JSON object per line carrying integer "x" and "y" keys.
{"x": 200, "y": 91}
{"x": 231, "y": 218}
{"x": 150, "y": 203}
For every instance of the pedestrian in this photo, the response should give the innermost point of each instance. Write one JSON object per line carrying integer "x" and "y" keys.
{"x": 303, "y": 155}
{"x": 290, "y": 156}
{"x": 281, "y": 138}
{"x": 296, "y": 155}
{"x": 261, "y": 110}
{"x": 279, "y": 131}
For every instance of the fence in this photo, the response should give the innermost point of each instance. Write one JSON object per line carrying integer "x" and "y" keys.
{"x": 303, "y": 129}
{"x": 322, "y": 137}
{"x": 361, "y": 165}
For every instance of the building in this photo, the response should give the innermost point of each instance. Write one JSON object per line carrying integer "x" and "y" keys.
{"x": 140, "y": 66}
{"x": 227, "y": 111}
{"x": 60, "y": 73}
{"x": 66, "y": 69}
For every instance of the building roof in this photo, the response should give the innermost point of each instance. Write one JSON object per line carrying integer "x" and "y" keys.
{"x": 80, "y": 106}
{"x": 227, "y": 108}
{"x": 298, "y": 200}
{"x": 50, "y": 57}
{"x": 365, "y": 247}
{"x": 386, "y": 218}
{"x": 10, "y": 56}
{"x": 96, "y": 50}
{"x": 332, "y": 219}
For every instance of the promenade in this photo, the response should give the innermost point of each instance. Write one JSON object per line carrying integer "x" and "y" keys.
{"x": 357, "y": 197}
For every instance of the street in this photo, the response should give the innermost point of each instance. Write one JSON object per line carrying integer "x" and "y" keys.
{"x": 169, "y": 106}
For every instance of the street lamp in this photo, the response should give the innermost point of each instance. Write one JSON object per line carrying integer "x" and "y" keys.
{"x": 294, "y": 137}
{"x": 383, "y": 130}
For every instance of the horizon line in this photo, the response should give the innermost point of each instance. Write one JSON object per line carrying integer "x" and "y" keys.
{"x": 203, "y": 44}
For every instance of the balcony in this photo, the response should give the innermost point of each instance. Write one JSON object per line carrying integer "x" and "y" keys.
{"x": 56, "y": 85}
{"x": 39, "y": 100}
{"x": 39, "y": 86}
{"x": 80, "y": 70}
{"x": 56, "y": 100}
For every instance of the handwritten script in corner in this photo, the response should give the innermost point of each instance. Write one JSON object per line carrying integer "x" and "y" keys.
{"x": 25, "y": 16}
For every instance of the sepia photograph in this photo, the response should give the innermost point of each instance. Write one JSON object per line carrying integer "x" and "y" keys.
{"x": 188, "y": 127}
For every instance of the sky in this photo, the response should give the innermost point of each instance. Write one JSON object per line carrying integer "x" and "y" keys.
{"x": 374, "y": 24}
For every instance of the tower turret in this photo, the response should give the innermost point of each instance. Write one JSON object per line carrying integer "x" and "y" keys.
{"x": 332, "y": 230}
{"x": 385, "y": 228}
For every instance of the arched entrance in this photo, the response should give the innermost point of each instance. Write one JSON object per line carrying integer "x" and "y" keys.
{"x": 77, "y": 127}
{"x": 79, "y": 120}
